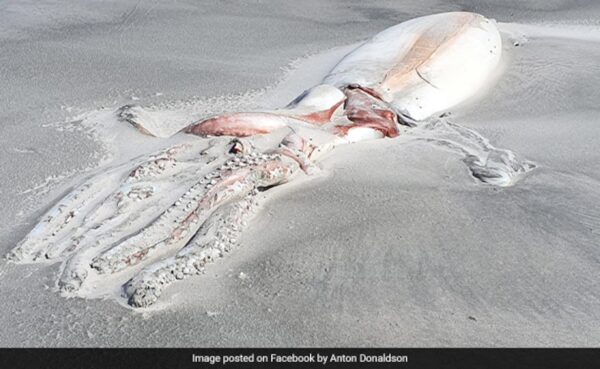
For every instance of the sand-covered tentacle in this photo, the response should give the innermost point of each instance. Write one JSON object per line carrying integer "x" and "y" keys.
{"x": 130, "y": 199}
{"x": 488, "y": 164}
{"x": 60, "y": 223}
{"x": 217, "y": 236}
{"x": 173, "y": 229}
{"x": 77, "y": 267}
{"x": 146, "y": 190}
{"x": 64, "y": 217}
{"x": 129, "y": 214}
{"x": 106, "y": 197}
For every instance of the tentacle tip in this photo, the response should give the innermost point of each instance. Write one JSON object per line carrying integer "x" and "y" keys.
{"x": 142, "y": 299}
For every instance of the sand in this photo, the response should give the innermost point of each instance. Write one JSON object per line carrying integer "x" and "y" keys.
{"x": 396, "y": 245}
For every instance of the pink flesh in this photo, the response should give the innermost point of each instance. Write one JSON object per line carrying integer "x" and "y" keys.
{"x": 438, "y": 37}
{"x": 366, "y": 110}
{"x": 364, "y": 107}
{"x": 294, "y": 142}
{"x": 320, "y": 117}
{"x": 238, "y": 125}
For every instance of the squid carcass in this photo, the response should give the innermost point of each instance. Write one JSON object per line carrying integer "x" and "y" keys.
{"x": 162, "y": 218}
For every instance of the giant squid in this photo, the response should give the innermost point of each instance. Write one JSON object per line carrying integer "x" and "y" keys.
{"x": 165, "y": 217}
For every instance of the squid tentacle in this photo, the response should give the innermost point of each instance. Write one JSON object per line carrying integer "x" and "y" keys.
{"x": 217, "y": 236}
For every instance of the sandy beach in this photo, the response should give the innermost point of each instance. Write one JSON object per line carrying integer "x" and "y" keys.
{"x": 394, "y": 244}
